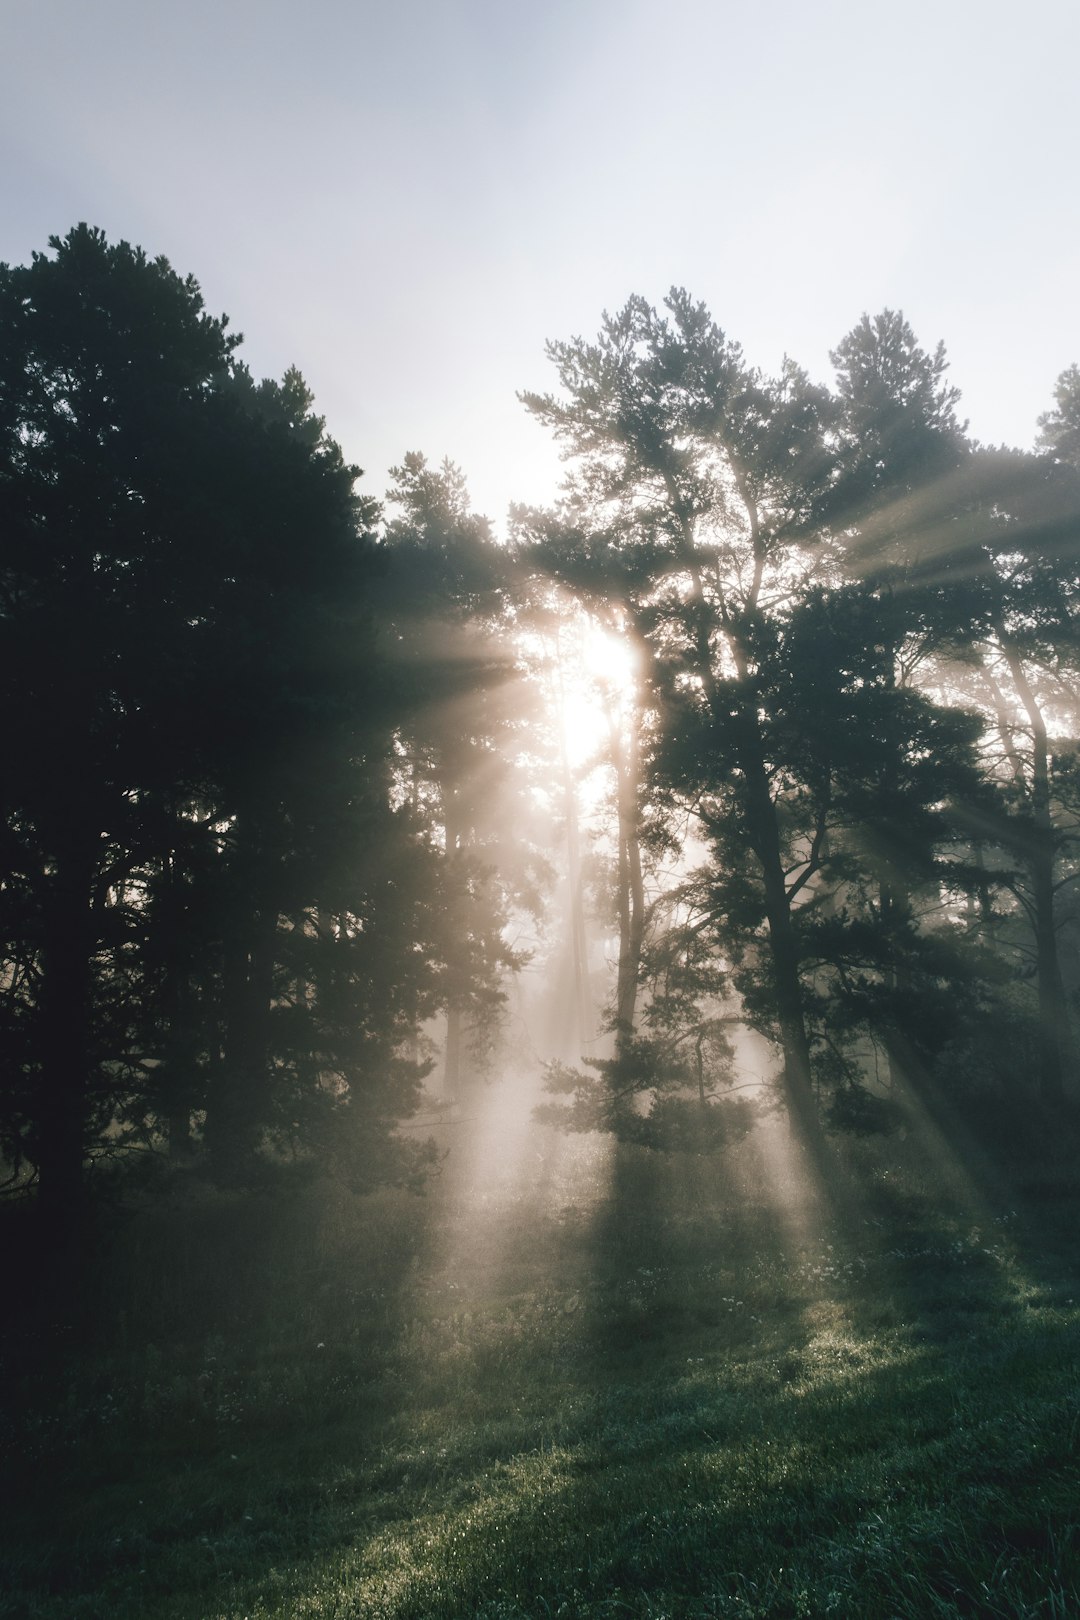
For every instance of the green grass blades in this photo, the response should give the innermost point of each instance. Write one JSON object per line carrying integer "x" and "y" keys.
{"x": 632, "y": 1388}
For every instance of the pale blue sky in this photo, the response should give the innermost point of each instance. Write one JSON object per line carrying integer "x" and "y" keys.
{"x": 406, "y": 200}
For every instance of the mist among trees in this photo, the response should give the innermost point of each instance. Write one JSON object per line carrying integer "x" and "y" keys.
{"x": 280, "y": 757}
{"x": 738, "y": 788}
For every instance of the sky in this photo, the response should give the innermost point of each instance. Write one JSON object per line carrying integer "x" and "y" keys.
{"x": 407, "y": 198}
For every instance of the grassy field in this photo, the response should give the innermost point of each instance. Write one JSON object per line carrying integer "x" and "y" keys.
{"x": 603, "y": 1385}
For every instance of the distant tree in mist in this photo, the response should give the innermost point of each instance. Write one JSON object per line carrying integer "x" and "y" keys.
{"x": 1016, "y": 655}
{"x": 462, "y": 706}
{"x": 1059, "y": 429}
{"x": 898, "y": 510}
{"x": 567, "y": 552}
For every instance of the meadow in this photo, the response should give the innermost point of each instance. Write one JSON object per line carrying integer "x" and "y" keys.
{"x": 588, "y": 1383}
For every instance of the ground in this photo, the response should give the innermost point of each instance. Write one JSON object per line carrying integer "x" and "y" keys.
{"x": 584, "y": 1382}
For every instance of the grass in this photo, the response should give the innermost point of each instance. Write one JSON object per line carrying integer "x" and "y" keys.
{"x": 639, "y": 1391}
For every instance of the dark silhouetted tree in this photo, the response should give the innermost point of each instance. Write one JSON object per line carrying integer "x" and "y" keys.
{"x": 209, "y": 898}
{"x": 697, "y": 478}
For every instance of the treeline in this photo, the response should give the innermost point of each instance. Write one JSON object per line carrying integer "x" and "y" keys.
{"x": 243, "y": 727}
{"x": 856, "y": 636}
{"x": 259, "y": 825}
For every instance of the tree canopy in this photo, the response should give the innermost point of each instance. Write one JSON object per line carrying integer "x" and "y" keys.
{"x": 269, "y": 819}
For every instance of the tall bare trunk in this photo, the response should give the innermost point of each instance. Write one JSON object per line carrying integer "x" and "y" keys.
{"x": 631, "y": 886}
{"x": 238, "y": 1106}
{"x": 764, "y": 829}
{"x": 797, "y": 1077}
{"x": 452, "y": 1055}
{"x": 65, "y": 1043}
{"x": 1056, "y": 1053}
{"x": 582, "y": 995}
{"x": 783, "y": 949}
{"x": 452, "y": 1050}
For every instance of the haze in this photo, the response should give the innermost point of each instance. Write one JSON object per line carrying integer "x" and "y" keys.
{"x": 539, "y": 1059}
{"x": 406, "y": 201}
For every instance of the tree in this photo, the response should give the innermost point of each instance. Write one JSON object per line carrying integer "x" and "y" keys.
{"x": 444, "y": 602}
{"x": 110, "y": 365}
{"x": 566, "y": 556}
{"x": 970, "y": 555}
{"x": 716, "y": 507}
{"x": 1059, "y": 429}
{"x": 705, "y": 472}
{"x": 200, "y": 735}
{"x": 1020, "y": 643}
{"x": 293, "y": 731}
{"x": 899, "y": 508}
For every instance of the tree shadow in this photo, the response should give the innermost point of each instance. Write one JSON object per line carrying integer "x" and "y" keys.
{"x": 652, "y": 1389}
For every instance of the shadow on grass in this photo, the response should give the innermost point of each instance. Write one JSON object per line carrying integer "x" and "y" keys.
{"x": 217, "y": 1348}
{"x": 666, "y": 1398}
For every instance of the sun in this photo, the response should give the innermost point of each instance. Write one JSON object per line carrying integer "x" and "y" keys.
{"x": 598, "y": 677}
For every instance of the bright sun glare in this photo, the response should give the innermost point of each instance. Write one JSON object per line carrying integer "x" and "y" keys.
{"x": 598, "y": 676}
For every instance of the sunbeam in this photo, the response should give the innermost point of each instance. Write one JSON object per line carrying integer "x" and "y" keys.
{"x": 538, "y": 1072}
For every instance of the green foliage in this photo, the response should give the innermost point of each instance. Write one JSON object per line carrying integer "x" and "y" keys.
{"x": 1059, "y": 429}
{"x": 859, "y": 1112}
{"x": 463, "y": 710}
{"x": 655, "y": 1094}
{"x": 213, "y": 907}
{"x": 803, "y": 573}
{"x": 651, "y": 1399}
{"x": 268, "y": 819}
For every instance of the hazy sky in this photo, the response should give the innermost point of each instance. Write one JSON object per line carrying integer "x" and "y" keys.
{"x": 406, "y": 198}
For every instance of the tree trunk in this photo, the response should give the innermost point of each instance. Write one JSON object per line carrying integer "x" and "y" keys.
{"x": 894, "y": 913}
{"x": 631, "y": 895}
{"x": 452, "y": 1055}
{"x": 455, "y": 834}
{"x": 1056, "y": 1055}
{"x": 179, "y": 1129}
{"x": 65, "y": 1040}
{"x": 797, "y": 1076}
{"x": 764, "y": 836}
{"x": 894, "y": 908}
{"x": 1055, "y": 1037}
{"x": 582, "y": 996}
{"x": 175, "y": 1079}
{"x": 238, "y": 1105}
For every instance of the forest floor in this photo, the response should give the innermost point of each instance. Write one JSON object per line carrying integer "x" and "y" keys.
{"x": 578, "y": 1382}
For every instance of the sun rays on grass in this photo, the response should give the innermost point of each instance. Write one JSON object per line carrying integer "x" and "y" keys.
{"x": 722, "y": 1426}
{"x": 574, "y": 1378}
